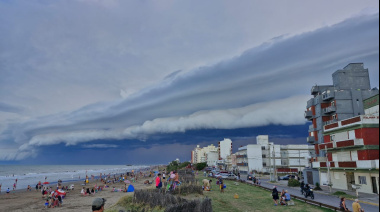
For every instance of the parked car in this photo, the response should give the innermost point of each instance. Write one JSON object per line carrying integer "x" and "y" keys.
{"x": 287, "y": 177}
{"x": 229, "y": 176}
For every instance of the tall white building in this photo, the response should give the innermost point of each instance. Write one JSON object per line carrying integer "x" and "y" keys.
{"x": 265, "y": 155}
{"x": 225, "y": 148}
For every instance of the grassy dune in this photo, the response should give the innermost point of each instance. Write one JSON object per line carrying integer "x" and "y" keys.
{"x": 250, "y": 199}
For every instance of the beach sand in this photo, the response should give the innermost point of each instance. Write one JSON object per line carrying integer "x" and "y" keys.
{"x": 74, "y": 200}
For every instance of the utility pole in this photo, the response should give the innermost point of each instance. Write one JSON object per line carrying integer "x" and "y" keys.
{"x": 270, "y": 164}
{"x": 328, "y": 169}
{"x": 299, "y": 160}
{"x": 274, "y": 165}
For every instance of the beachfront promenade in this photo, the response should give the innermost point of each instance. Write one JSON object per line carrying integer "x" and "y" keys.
{"x": 369, "y": 202}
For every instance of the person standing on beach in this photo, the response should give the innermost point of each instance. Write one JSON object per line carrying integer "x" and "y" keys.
{"x": 8, "y": 191}
{"x": 158, "y": 183}
{"x": 0, "y": 187}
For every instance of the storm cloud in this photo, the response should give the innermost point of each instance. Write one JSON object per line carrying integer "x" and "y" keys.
{"x": 265, "y": 85}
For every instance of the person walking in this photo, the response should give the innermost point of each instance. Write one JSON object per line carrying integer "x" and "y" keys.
{"x": 342, "y": 204}
{"x": 356, "y": 206}
{"x": 275, "y": 195}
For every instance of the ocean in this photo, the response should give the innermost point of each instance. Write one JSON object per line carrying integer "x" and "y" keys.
{"x": 31, "y": 174}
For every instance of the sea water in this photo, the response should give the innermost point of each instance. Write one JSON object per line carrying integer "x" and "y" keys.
{"x": 31, "y": 174}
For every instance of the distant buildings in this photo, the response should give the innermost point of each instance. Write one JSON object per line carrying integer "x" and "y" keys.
{"x": 265, "y": 155}
{"x": 207, "y": 155}
{"x": 342, "y": 100}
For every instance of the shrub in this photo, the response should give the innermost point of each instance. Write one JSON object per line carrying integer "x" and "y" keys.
{"x": 338, "y": 193}
{"x": 201, "y": 166}
{"x": 293, "y": 183}
{"x": 318, "y": 187}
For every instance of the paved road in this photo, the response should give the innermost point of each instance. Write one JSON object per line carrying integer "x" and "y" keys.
{"x": 323, "y": 198}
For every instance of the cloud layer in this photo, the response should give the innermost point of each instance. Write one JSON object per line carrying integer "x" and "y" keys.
{"x": 268, "y": 84}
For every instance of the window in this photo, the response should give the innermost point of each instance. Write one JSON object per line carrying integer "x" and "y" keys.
{"x": 332, "y": 138}
{"x": 264, "y": 156}
{"x": 362, "y": 180}
{"x": 264, "y": 164}
{"x": 263, "y": 148}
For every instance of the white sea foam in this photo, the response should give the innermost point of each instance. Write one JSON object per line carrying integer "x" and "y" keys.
{"x": 30, "y": 175}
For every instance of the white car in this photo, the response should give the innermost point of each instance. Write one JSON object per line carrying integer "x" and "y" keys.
{"x": 229, "y": 176}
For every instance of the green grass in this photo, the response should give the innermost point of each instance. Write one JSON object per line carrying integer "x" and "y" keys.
{"x": 125, "y": 204}
{"x": 343, "y": 194}
{"x": 250, "y": 199}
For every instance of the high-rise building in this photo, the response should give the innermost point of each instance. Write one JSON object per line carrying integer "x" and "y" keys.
{"x": 342, "y": 100}
{"x": 352, "y": 151}
{"x": 225, "y": 148}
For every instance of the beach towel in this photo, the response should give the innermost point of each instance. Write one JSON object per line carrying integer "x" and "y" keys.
{"x": 131, "y": 188}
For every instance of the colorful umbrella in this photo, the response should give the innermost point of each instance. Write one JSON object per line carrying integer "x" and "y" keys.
{"x": 45, "y": 183}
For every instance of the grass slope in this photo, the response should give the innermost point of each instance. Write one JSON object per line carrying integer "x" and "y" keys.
{"x": 250, "y": 199}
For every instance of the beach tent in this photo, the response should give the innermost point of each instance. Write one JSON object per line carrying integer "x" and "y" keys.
{"x": 131, "y": 188}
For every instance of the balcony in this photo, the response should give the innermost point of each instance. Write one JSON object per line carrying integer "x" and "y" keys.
{"x": 241, "y": 156}
{"x": 366, "y": 164}
{"x": 308, "y": 115}
{"x": 310, "y": 103}
{"x": 329, "y": 110}
{"x": 311, "y": 128}
{"x": 311, "y": 140}
{"x": 327, "y": 96}
{"x": 314, "y": 90}
{"x": 330, "y": 122}
{"x": 242, "y": 164}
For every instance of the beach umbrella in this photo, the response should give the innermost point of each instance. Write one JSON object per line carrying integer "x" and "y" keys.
{"x": 45, "y": 183}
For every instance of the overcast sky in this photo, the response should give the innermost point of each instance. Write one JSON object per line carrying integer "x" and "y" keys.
{"x": 152, "y": 79}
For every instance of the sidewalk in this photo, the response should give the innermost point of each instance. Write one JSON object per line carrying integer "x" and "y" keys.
{"x": 370, "y": 203}
{"x": 371, "y": 199}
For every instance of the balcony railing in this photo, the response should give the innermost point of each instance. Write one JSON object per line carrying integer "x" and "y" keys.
{"x": 242, "y": 164}
{"x": 330, "y": 122}
{"x": 328, "y": 96}
{"x": 311, "y": 140}
{"x": 309, "y": 114}
{"x": 330, "y": 109}
{"x": 241, "y": 156}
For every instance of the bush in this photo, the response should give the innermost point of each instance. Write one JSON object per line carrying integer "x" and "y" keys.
{"x": 293, "y": 183}
{"x": 201, "y": 166}
{"x": 318, "y": 187}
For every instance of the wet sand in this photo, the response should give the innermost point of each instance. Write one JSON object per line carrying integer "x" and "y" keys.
{"x": 74, "y": 200}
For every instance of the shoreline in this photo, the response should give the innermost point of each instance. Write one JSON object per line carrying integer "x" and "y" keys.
{"x": 23, "y": 200}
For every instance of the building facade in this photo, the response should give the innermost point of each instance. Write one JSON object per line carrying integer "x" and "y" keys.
{"x": 339, "y": 101}
{"x": 353, "y": 151}
{"x": 265, "y": 156}
{"x": 225, "y": 148}
{"x": 201, "y": 155}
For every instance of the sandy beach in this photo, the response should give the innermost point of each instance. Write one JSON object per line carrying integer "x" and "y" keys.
{"x": 74, "y": 200}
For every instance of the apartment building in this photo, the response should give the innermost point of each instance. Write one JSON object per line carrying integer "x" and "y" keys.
{"x": 339, "y": 101}
{"x": 353, "y": 151}
{"x": 205, "y": 154}
{"x": 265, "y": 155}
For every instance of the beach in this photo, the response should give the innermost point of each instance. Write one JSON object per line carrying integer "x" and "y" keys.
{"x": 23, "y": 200}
